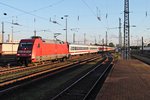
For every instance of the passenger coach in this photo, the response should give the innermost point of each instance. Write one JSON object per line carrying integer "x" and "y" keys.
{"x": 76, "y": 49}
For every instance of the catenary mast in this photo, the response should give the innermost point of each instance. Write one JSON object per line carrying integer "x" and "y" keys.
{"x": 120, "y": 35}
{"x": 126, "y": 30}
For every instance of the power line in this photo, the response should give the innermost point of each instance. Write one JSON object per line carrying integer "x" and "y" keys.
{"x": 89, "y": 7}
{"x": 20, "y": 10}
{"x": 30, "y": 13}
{"x": 51, "y": 5}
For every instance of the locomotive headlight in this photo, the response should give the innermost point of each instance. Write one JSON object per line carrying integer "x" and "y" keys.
{"x": 18, "y": 54}
{"x": 28, "y": 51}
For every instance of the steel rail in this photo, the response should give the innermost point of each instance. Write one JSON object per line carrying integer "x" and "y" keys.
{"x": 36, "y": 74}
{"x": 81, "y": 78}
{"x": 102, "y": 75}
{"x": 20, "y": 68}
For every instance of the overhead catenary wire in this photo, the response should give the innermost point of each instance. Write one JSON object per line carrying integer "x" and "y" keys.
{"x": 89, "y": 8}
{"x": 51, "y": 5}
{"x": 20, "y": 10}
{"x": 31, "y": 12}
{"x": 23, "y": 12}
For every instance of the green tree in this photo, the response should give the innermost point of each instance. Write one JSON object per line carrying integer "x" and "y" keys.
{"x": 111, "y": 44}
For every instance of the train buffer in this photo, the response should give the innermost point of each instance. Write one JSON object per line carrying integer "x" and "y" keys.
{"x": 128, "y": 80}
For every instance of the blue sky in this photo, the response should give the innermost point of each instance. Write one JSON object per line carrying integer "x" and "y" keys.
{"x": 82, "y": 18}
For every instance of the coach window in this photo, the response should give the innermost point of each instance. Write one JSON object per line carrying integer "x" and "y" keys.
{"x": 72, "y": 48}
{"x": 38, "y": 45}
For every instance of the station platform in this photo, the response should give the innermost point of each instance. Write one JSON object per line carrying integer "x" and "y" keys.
{"x": 128, "y": 80}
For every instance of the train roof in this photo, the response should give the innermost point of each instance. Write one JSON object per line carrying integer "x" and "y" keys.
{"x": 84, "y": 45}
{"x": 44, "y": 40}
{"x": 145, "y": 48}
{"x": 53, "y": 41}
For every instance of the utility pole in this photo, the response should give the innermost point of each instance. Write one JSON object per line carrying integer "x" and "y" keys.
{"x": 2, "y": 32}
{"x": 106, "y": 38}
{"x": 34, "y": 27}
{"x": 106, "y": 41}
{"x": 95, "y": 40}
{"x": 73, "y": 37}
{"x": 126, "y": 30}
{"x": 3, "y": 29}
{"x": 103, "y": 42}
{"x": 84, "y": 38}
{"x": 142, "y": 44}
{"x": 103, "y": 47}
{"x": 12, "y": 31}
{"x": 66, "y": 26}
{"x": 99, "y": 39}
{"x": 120, "y": 35}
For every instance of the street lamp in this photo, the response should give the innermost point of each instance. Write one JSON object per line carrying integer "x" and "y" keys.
{"x": 11, "y": 27}
{"x": 75, "y": 30}
{"x": 3, "y": 29}
{"x": 66, "y": 25}
{"x": 2, "y": 32}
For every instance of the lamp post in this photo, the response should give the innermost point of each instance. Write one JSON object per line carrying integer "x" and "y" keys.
{"x": 3, "y": 29}
{"x": 13, "y": 28}
{"x": 2, "y": 32}
{"x": 66, "y": 25}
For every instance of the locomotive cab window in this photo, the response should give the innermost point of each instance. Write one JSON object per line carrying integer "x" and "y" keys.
{"x": 26, "y": 45}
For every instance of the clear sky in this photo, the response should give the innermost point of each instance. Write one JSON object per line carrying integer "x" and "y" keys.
{"x": 82, "y": 19}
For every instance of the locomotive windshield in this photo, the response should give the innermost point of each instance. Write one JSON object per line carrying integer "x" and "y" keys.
{"x": 26, "y": 45}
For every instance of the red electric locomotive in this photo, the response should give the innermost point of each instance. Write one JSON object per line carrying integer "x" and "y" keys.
{"x": 36, "y": 50}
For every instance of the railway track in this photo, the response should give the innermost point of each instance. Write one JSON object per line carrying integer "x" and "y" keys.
{"x": 14, "y": 69}
{"x": 48, "y": 85}
{"x": 17, "y": 68}
{"x": 5, "y": 73}
{"x": 142, "y": 58}
{"x": 82, "y": 88}
{"x": 21, "y": 78}
{"x": 4, "y": 70}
